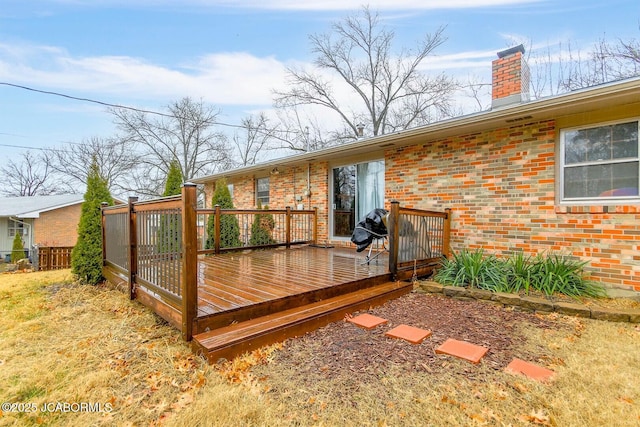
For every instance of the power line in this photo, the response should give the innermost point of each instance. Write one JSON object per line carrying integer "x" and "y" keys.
{"x": 38, "y": 148}
{"x": 140, "y": 110}
{"x": 94, "y": 101}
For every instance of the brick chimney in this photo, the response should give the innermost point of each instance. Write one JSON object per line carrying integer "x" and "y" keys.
{"x": 510, "y": 78}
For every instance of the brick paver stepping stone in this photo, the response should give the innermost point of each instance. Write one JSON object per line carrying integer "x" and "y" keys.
{"x": 409, "y": 333}
{"x": 367, "y": 321}
{"x": 530, "y": 370}
{"x": 462, "y": 349}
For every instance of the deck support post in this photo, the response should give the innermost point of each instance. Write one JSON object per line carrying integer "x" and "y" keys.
{"x": 216, "y": 229}
{"x": 189, "y": 291}
{"x": 287, "y": 227}
{"x": 394, "y": 216}
{"x": 132, "y": 250}
{"x": 446, "y": 243}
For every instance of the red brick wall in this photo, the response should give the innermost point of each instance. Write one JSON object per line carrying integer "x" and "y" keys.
{"x": 508, "y": 75}
{"x": 284, "y": 190}
{"x": 58, "y": 227}
{"x": 501, "y": 187}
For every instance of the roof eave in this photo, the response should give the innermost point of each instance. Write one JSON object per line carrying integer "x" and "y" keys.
{"x": 544, "y": 108}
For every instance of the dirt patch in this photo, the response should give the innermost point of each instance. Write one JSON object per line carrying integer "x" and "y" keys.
{"x": 342, "y": 348}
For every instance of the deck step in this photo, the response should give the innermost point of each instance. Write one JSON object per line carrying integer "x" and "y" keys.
{"x": 233, "y": 340}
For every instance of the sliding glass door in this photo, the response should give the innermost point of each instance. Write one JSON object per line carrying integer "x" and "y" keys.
{"x": 357, "y": 190}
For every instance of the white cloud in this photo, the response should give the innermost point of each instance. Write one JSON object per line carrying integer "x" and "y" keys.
{"x": 234, "y": 78}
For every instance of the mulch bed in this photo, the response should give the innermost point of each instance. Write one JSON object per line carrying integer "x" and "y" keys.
{"x": 342, "y": 348}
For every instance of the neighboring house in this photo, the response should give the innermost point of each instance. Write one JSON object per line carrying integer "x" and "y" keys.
{"x": 557, "y": 174}
{"x": 41, "y": 220}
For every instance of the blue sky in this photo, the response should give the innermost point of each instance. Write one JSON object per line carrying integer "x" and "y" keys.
{"x": 149, "y": 53}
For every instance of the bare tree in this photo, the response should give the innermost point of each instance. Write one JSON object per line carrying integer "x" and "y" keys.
{"x": 303, "y": 132}
{"x": 114, "y": 157}
{"x": 562, "y": 68}
{"x": 254, "y": 138}
{"x": 622, "y": 58}
{"x": 29, "y": 176}
{"x": 184, "y": 134}
{"x": 392, "y": 91}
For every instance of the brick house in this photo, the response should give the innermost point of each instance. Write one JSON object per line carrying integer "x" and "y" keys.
{"x": 559, "y": 173}
{"x": 41, "y": 220}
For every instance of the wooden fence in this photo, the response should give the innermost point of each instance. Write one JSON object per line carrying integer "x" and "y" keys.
{"x": 152, "y": 247}
{"x": 53, "y": 258}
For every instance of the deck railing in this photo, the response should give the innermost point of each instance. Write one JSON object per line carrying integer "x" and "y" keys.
{"x": 234, "y": 229}
{"x": 418, "y": 239}
{"x": 153, "y": 246}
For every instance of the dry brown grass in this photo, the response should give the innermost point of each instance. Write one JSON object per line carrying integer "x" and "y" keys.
{"x": 69, "y": 343}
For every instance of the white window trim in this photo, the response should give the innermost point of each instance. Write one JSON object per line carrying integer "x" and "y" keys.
{"x": 13, "y": 226}
{"x": 595, "y": 200}
{"x": 256, "y": 195}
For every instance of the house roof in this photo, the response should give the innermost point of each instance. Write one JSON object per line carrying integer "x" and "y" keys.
{"x": 580, "y": 101}
{"x": 32, "y": 206}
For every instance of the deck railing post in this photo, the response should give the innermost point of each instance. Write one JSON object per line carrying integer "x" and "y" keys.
{"x": 394, "y": 217}
{"x": 216, "y": 229}
{"x": 315, "y": 225}
{"x": 104, "y": 239}
{"x": 287, "y": 227}
{"x": 132, "y": 249}
{"x": 189, "y": 283}
{"x": 446, "y": 238}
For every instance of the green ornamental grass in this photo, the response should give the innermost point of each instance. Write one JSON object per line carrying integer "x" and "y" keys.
{"x": 550, "y": 274}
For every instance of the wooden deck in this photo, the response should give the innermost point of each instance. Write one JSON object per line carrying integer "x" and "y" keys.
{"x": 246, "y": 300}
{"x": 237, "y": 286}
{"x": 229, "y": 300}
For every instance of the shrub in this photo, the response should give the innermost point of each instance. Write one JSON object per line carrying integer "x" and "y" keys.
{"x": 173, "y": 184}
{"x": 170, "y": 230}
{"x": 17, "y": 250}
{"x": 472, "y": 269}
{"x": 262, "y": 229}
{"x": 547, "y": 274}
{"x": 229, "y": 227}
{"x": 86, "y": 256}
{"x": 520, "y": 271}
{"x": 565, "y": 275}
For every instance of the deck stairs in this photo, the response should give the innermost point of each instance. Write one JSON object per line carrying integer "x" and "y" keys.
{"x": 234, "y": 339}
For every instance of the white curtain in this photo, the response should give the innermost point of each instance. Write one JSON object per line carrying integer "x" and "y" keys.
{"x": 370, "y": 187}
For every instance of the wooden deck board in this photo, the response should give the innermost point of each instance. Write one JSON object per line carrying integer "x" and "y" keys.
{"x": 228, "y": 342}
{"x": 233, "y": 280}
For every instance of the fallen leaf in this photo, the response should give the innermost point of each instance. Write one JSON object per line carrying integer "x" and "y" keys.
{"x": 478, "y": 418}
{"x": 520, "y": 387}
{"x": 626, "y": 399}
{"x": 537, "y": 417}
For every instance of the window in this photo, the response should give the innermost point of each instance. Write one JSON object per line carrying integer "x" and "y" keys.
{"x": 600, "y": 163}
{"x": 262, "y": 191}
{"x": 15, "y": 227}
{"x": 357, "y": 190}
{"x": 230, "y": 188}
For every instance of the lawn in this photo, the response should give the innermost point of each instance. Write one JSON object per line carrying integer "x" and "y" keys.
{"x": 90, "y": 356}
